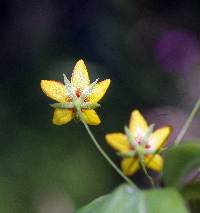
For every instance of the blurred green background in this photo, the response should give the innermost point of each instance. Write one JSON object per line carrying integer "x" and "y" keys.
{"x": 150, "y": 50}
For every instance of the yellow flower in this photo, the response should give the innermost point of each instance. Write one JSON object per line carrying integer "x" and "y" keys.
{"x": 139, "y": 139}
{"x": 77, "y": 93}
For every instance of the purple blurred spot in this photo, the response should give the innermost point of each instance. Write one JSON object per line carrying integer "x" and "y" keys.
{"x": 177, "y": 51}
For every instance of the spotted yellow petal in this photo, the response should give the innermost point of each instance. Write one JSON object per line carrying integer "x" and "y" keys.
{"x": 160, "y": 137}
{"x": 62, "y": 116}
{"x": 130, "y": 166}
{"x": 80, "y": 78}
{"x": 137, "y": 124}
{"x": 118, "y": 141}
{"x": 91, "y": 117}
{"x": 99, "y": 91}
{"x": 154, "y": 162}
{"x": 54, "y": 90}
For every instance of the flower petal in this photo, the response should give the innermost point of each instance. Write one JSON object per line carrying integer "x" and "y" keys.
{"x": 80, "y": 78}
{"x": 91, "y": 117}
{"x": 137, "y": 124}
{"x": 160, "y": 137}
{"x": 154, "y": 162}
{"x": 62, "y": 116}
{"x": 99, "y": 91}
{"x": 54, "y": 90}
{"x": 130, "y": 166}
{"x": 118, "y": 141}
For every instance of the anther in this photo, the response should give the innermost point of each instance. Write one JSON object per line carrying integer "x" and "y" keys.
{"x": 78, "y": 93}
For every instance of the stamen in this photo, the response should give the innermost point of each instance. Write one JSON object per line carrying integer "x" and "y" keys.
{"x": 78, "y": 93}
{"x": 147, "y": 146}
{"x": 68, "y": 99}
{"x": 87, "y": 99}
{"x": 138, "y": 139}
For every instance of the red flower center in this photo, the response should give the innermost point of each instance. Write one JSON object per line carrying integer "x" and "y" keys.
{"x": 138, "y": 141}
{"x": 78, "y": 93}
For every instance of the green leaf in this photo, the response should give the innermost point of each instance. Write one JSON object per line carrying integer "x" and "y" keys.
{"x": 166, "y": 200}
{"x": 94, "y": 205}
{"x": 180, "y": 161}
{"x": 125, "y": 199}
{"x": 191, "y": 191}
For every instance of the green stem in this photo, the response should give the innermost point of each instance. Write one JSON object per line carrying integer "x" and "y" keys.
{"x": 104, "y": 154}
{"x": 145, "y": 171}
{"x": 187, "y": 123}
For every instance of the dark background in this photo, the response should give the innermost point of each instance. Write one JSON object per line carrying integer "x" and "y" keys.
{"x": 150, "y": 50}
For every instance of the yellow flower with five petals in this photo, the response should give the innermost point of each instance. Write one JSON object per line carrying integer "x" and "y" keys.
{"x": 77, "y": 93}
{"x": 139, "y": 140}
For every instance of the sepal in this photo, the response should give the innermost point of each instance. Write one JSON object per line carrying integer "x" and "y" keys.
{"x": 62, "y": 105}
{"x": 129, "y": 154}
{"x": 89, "y": 105}
{"x": 68, "y": 87}
{"x": 86, "y": 92}
{"x": 147, "y": 134}
{"x": 130, "y": 137}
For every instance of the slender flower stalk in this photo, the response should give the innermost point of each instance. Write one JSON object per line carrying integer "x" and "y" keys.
{"x": 103, "y": 153}
{"x": 187, "y": 123}
{"x": 146, "y": 172}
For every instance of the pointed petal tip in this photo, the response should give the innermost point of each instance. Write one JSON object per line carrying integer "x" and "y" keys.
{"x": 108, "y": 136}
{"x": 42, "y": 82}
{"x": 135, "y": 111}
{"x": 137, "y": 122}
{"x": 80, "y": 61}
{"x": 97, "y": 123}
{"x": 80, "y": 77}
{"x": 109, "y": 81}
{"x": 170, "y": 127}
